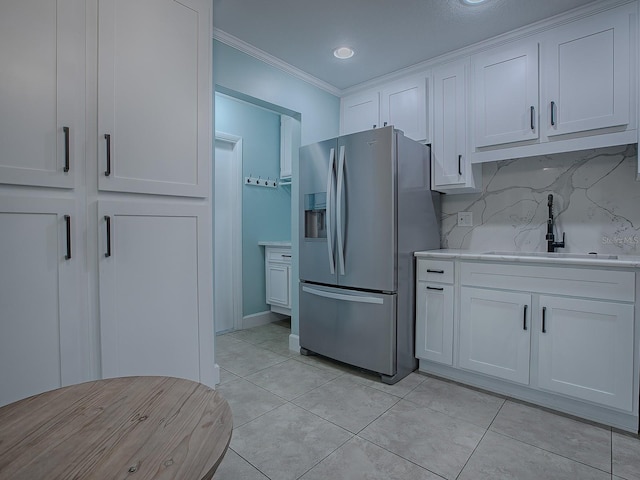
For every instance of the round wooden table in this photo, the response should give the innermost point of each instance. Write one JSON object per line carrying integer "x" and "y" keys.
{"x": 134, "y": 428}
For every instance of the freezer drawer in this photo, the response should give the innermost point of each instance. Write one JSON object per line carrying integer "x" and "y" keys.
{"x": 358, "y": 328}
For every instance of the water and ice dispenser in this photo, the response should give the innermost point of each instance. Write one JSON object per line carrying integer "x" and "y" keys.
{"x": 315, "y": 209}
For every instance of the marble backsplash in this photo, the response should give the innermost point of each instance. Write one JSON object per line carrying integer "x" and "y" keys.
{"x": 596, "y": 203}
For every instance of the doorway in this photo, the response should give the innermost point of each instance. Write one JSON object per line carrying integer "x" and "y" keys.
{"x": 227, "y": 228}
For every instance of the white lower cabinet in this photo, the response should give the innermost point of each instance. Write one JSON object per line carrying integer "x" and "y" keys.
{"x": 155, "y": 312}
{"x": 434, "y": 311}
{"x": 40, "y": 344}
{"x": 495, "y": 333}
{"x": 563, "y": 336}
{"x": 278, "y": 279}
{"x": 586, "y": 350}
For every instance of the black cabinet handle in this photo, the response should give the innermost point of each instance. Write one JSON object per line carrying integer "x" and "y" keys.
{"x": 435, "y": 288}
{"x": 107, "y": 137}
{"x": 107, "y": 219}
{"x": 286, "y": 256}
{"x": 524, "y": 318}
{"x": 533, "y": 114}
{"x": 435, "y": 271}
{"x": 375, "y": 126}
{"x": 385, "y": 124}
{"x": 66, "y": 148}
{"x": 67, "y": 220}
{"x": 459, "y": 164}
{"x": 553, "y": 114}
{"x": 544, "y": 319}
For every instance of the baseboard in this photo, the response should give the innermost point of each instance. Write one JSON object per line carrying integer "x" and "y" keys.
{"x": 294, "y": 343}
{"x": 216, "y": 374}
{"x": 260, "y": 318}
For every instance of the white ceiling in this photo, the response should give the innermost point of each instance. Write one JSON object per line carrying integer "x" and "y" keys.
{"x": 387, "y": 35}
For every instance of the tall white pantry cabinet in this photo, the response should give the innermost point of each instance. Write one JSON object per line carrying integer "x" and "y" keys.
{"x": 105, "y": 192}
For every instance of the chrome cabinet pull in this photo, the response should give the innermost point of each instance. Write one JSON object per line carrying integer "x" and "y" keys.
{"x": 107, "y": 137}
{"x": 533, "y": 114}
{"x": 66, "y": 148}
{"x": 107, "y": 219}
{"x": 67, "y": 220}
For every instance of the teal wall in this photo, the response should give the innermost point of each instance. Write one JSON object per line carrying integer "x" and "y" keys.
{"x": 266, "y": 212}
{"x": 235, "y": 72}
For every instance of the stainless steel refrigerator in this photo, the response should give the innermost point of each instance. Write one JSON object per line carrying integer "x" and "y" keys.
{"x": 365, "y": 207}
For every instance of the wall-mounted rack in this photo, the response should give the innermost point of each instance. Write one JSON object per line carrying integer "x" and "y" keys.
{"x": 261, "y": 182}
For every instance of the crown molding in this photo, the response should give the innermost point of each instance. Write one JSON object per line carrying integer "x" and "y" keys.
{"x": 269, "y": 59}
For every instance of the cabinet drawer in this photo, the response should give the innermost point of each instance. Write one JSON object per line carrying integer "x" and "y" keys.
{"x": 562, "y": 280}
{"x": 280, "y": 256}
{"x": 435, "y": 271}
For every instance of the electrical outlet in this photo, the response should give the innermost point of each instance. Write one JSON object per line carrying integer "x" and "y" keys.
{"x": 465, "y": 219}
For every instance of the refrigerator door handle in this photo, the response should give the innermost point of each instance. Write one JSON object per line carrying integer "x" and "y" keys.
{"x": 339, "y": 200}
{"x": 342, "y": 296}
{"x": 328, "y": 217}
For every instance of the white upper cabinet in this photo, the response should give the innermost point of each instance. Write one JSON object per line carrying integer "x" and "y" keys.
{"x": 404, "y": 105}
{"x": 401, "y": 103}
{"x": 451, "y": 167}
{"x": 41, "y": 91}
{"x": 585, "y": 72}
{"x": 360, "y": 112}
{"x": 506, "y": 94}
{"x": 154, "y": 96}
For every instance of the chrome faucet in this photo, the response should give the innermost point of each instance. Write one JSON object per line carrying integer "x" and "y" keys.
{"x": 551, "y": 243}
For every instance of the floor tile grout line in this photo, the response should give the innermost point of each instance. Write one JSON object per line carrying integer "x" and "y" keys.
{"x": 397, "y": 454}
{"x": 327, "y": 456}
{"x": 549, "y": 451}
{"x": 254, "y": 466}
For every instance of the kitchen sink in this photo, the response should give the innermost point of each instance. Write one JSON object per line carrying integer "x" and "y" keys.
{"x": 554, "y": 255}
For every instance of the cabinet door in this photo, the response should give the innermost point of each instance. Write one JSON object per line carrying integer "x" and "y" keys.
{"x": 155, "y": 290}
{"x": 278, "y": 285}
{"x": 41, "y": 91}
{"x": 451, "y": 164}
{"x": 495, "y": 333}
{"x": 586, "y": 71}
{"x": 585, "y": 350}
{"x": 360, "y": 112}
{"x": 41, "y": 334}
{"x": 404, "y": 105}
{"x": 434, "y": 322}
{"x": 506, "y": 94}
{"x": 154, "y": 96}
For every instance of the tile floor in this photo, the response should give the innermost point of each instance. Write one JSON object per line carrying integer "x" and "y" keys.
{"x": 309, "y": 418}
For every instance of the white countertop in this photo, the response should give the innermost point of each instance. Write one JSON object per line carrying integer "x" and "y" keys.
{"x": 284, "y": 244}
{"x": 626, "y": 261}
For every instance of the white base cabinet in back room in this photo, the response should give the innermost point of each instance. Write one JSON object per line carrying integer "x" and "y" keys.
{"x": 278, "y": 280}
{"x": 40, "y": 344}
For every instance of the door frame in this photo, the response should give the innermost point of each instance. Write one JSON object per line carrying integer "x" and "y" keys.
{"x": 236, "y": 226}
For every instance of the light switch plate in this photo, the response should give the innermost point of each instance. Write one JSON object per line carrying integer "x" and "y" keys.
{"x": 465, "y": 219}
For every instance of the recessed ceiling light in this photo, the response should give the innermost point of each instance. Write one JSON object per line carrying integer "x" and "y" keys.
{"x": 472, "y": 2}
{"x": 343, "y": 53}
